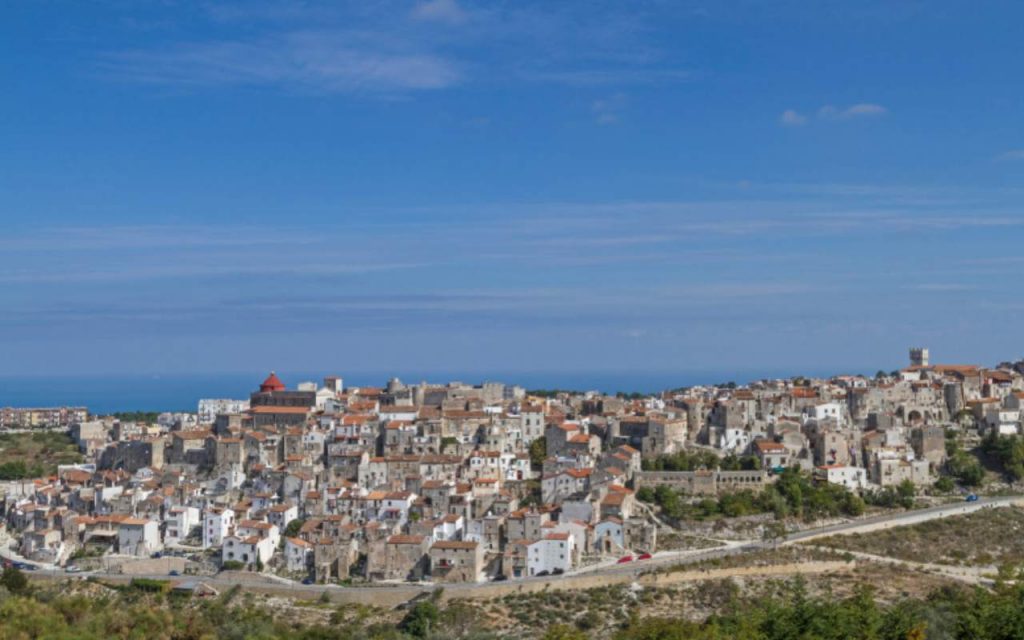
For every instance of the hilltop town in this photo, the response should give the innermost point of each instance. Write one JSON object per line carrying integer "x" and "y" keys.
{"x": 456, "y": 483}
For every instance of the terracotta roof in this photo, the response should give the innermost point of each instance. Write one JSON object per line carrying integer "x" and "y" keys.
{"x": 399, "y": 539}
{"x": 272, "y": 383}
{"x": 270, "y": 409}
{"x": 765, "y": 446}
{"x": 455, "y": 544}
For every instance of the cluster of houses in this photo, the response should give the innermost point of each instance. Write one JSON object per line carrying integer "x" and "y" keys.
{"x": 464, "y": 483}
{"x": 324, "y": 482}
{"x": 857, "y": 431}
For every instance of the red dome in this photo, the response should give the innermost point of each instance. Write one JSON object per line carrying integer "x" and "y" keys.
{"x": 272, "y": 383}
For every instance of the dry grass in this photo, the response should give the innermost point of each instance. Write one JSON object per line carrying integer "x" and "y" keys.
{"x": 982, "y": 538}
{"x": 45, "y": 449}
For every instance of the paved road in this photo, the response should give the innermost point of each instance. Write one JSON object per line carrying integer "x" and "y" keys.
{"x": 971, "y": 575}
{"x": 661, "y": 559}
{"x": 903, "y": 518}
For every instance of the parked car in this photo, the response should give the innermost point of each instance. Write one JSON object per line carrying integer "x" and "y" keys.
{"x": 644, "y": 556}
{"x": 72, "y": 568}
{"x": 972, "y": 497}
{"x": 500, "y": 577}
{"x": 625, "y": 559}
{"x": 541, "y": 574}
{"x": 307, "y": 581}
{"x": 173, "y": 572}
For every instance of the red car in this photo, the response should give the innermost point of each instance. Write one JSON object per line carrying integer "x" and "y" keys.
{"x": 644, "y": 556}
{"x": 625, "y": 559}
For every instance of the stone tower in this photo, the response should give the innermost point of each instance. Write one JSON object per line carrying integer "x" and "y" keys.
{"x": 918, "y": 357}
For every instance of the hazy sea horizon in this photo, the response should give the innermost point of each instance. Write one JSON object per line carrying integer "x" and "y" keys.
{"x": 103, "y": 394}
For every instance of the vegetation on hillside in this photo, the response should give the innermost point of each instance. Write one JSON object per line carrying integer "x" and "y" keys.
{"x": 145, "y": 417}
{"x": 786, "y": 610}
{"x": 962, "y": 465}
{"x": 35, "y": 454}
{"x": 793, "y": 494}
{"x": 984, "y": 537}
{"x": 1009, "y": 451}
{"x": 700, "y": 459}
{"x": 947, "y": 613}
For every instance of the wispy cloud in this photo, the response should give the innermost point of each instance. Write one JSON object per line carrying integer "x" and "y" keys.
{"x": 143, "y": 272}
{"x": 324, "y": 61}
{"x": 862, "y": 110}
{"x": 444, "y": 11}
{"x": 611, "y": 76}
{"x": 943, "y": 287}
{"x": 607, "y": 110}
{"x": 149, "y": 237}
{"x": 388, "y": 47}
{"x": 1011, "y": 155}
{"x": 792, "y": 117}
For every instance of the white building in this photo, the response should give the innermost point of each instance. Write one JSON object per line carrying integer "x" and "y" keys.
{"x": 252, "y": 541}
{"x": 394, "y": 506}
{"x": 853, "y": 478}
{"x": 298, "y": 554}
{"x": 178, "y": 523}
{"x": 552, "y": 553}
{"x": 1005, "y": 422}
{"x": 828, "y": 411}
{"x": 735, "y": 440}
{"x": 517, "y": 466}
{"x": 558, "y": 486}
{"x": 263, "y": 530}
{"x": 398, "y": 414}
{"x": 531, "y": 423}
{"x": 138, "y": 537}
{"x": 247, "y": 550}
{"x": 217, "y": 523}
{"x": 210, "y": 407}
{"x": 485, "y": 464}
{"x": 281, "y": 514}
{"x": 609, "y": 536}
{"x": 450, "y": 527}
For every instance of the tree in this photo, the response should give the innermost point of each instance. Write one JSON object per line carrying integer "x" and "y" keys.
{"x": 773, "y": 531}
{"x": 13, "y": 580}
{"x": 906, "y": 492}
{"x": 448, "y": 441}
{"x": 564, "y": 632}
{"x": 538, "y": 451}
{"x": 293, "y": 527}
{"x": 854, "y": 505}
{"x": 420, "y": 619}
{"x": 965, "y": 467}
{"x": 944, "y": 484}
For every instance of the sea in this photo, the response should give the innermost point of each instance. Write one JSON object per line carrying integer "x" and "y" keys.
{"x": 105, "y": 394}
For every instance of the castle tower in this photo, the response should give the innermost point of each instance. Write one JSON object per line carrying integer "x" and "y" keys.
{"x": 918, "y": 357}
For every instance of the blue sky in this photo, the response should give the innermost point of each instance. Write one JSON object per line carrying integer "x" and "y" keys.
{"x": 509, "y": 186}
